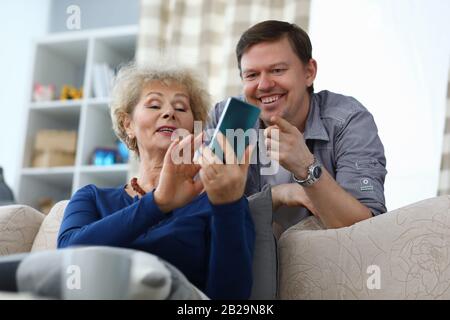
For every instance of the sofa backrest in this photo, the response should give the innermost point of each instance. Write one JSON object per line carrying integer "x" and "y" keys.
{"x": 48, "y": 232}
{"x": 402, "y": 254}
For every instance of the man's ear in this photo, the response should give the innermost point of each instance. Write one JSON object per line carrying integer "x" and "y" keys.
{"x": 311, "y": 72}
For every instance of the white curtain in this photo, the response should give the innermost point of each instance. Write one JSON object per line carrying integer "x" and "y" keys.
{"x": 444, "y": 178}
{"x": 204, "y": 33}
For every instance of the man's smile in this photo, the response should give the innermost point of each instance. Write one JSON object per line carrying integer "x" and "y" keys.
{"x": 270, "y": 102}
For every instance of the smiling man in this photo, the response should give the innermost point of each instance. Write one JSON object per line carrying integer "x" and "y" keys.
{"x": 332, "y": 160}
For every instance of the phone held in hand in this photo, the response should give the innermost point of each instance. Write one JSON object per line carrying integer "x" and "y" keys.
{"x": 236, "y": 123}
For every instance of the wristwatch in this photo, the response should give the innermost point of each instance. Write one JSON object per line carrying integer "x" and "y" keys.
{"x": 314, "y": 173}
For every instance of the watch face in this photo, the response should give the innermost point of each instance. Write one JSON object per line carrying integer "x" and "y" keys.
{"x": 317, "y": 172}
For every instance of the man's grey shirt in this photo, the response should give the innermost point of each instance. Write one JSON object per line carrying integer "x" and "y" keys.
{"x": 342, "y": 135}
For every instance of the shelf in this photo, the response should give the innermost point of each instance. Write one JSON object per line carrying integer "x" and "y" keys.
{"x": 104, "y": 176}
{"x": 60, "y": 63}
{"x": 73, "y": 51}
{"x": 67, "y": 113}
{"x": 98, "y": 124}
{"x": 64, "y": 37}
{"x": 68, "y": 58}
{"x": 62, "y": 118}
{"x": 39, "y": 183}
{"x": 54, "y": 118}
{"x": 113, "y": 51}
{"x": 105, "y": 169}
{"x": 101, "y": 104}
{"x": 52, "y": 171}
{"x": 98, "y": 101}
{"x": 59, "y": 177}
{"x": 56, "y": 104}
{"x": 123, "y": 45}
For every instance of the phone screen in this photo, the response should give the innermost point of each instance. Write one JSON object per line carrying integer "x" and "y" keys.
{"x": 236, "y": 123}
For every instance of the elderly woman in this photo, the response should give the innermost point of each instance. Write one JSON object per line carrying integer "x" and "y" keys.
{"x": 192, "y": 215}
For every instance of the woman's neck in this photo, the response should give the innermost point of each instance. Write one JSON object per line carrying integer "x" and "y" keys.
{"x": 149, "y": 171}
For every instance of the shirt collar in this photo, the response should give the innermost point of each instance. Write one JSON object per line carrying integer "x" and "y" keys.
{"x": 314, "y": 128}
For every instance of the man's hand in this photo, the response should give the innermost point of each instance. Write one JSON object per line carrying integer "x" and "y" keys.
{"x": 177, "y": 186}
{"x": 224, "y": 183}
{"x": 291, "y": 195}
{"x": 288, "y": 147}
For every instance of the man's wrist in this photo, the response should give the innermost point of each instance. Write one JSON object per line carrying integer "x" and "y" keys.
{"x": 314, "y": 174}
{"x": 276, "y": 202}
{"x": 301, "y": 172}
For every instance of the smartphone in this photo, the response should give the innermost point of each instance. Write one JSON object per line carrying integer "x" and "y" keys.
{"x": 235, "y": 121}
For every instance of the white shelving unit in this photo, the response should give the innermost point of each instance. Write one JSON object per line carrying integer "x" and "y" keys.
{"x": 68, "y": 58}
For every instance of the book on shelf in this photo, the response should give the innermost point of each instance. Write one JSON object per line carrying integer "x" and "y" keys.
{"x": 103, "y": 76}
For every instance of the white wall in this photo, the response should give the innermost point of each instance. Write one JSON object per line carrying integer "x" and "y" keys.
{"x": 393, "y": 56}
{"x": 21, "y": 22}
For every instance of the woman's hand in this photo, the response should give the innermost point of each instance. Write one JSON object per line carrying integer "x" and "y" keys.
{"x": 224, "y": 183}
{"x": 177, "y": 186}
{"x": 291, "y": 195}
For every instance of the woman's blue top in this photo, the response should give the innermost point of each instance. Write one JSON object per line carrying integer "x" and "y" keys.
{"x": 211, "y": 244}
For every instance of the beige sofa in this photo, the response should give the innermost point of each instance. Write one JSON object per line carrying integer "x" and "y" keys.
{"x": 24, "y": 229}
{"x": 403, "y": 254}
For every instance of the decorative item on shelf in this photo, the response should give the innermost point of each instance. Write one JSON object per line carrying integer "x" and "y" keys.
{"x": 6, "y": 194}
{"x": 54, "y": 148}
{"x": 70, "y": 93}
{"x": 123, "y": 151}
{"x": 105, "y": 156}
{"x": 43, "y": 92}
{"x": 45, "y": 204}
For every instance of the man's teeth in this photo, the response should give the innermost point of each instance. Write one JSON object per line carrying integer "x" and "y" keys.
{"x": 165, "y": 130}
{"x": 270, "y": 99}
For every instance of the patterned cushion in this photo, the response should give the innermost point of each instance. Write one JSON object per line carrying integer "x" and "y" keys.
{"x": 48, "y": 232}
{"x": 18, "y": 227}
{"x": 403, "y": 254}
{"x": 264, "y": 255}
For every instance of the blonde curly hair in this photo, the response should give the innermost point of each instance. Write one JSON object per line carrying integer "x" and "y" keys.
{"x": 131, "y": 80}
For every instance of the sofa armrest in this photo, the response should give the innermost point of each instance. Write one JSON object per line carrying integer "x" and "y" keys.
{"x": 18, "y": 227}
{"x": 402, "y": 254}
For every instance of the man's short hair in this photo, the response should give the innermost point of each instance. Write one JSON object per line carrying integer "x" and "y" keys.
{"x": 273, "y": 30}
